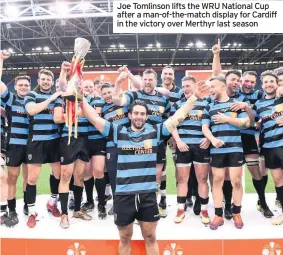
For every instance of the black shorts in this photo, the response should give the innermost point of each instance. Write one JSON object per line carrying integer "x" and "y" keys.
{"x": 273, "y": 158}
{"x": 161, "y": 153}
{"x": 249, "y": 144}
{"x": 142, "y": 207}
{"x": 43, "y": 152}
{"x": 77, "y": 149}
{"x": 3, "y": 144}
{"x": 235, "y": 159}
{"x": 16, "y": 155}
{"x": 96, "y": 147}
{"x": 195, "y": 154}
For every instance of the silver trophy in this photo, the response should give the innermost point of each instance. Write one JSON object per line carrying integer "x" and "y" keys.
{"x": 74, "y": 90}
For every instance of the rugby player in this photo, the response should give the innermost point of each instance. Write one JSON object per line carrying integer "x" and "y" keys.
{"x": 137, "y": 146}
{"x": 270, "y": 110}
{"x": 221, "y": 126}
{"x": 43, "y": 144}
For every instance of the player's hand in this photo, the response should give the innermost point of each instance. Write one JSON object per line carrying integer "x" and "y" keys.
{"x": 182, "y": 146}
{"x": 66, "y": 66}
{"x": 202, "y": 89}
{"x": 172, "y": 143}
{"x": 279, "y": 92}
{"x": 279, "y": 121}
{"x": 122, "y": 77}
{"x": 4, "y": 54}
{"x": 123, "y": 69}
{"x": 239, "y": 106}
{"x": 55, "y": 96}
{"x": 217, "y": 143}
{"x": 220, "y": 118}
{"x": 204, "y": 143}
{"x": 216, "y": 48}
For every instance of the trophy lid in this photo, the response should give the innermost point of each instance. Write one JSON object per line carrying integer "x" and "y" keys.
{"x": 82, "y": 46}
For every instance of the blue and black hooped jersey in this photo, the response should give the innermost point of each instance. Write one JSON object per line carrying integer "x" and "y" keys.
{"x": 97, "y": 104}
{"x": 269, "y": 110}
{"x": 229, "y": 134}
{"x": 41, "y": 125}
{"x": 82, "y": 123}
{"x": 159, "y": 106}
{"x": 175, "y": 94}
{"x": 17, "y": 117}
{"x": 190, "y": 130}
{"x": 137, "y": 156}
{"x": 117, "y": 115}
{"x": 252, "y": 98}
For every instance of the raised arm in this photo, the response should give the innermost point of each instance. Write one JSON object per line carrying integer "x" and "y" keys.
{"x": 65, "y": 68}
{"x": 119, "y": 98}
{"x": 90, "y": 113}
{"x": 216, "y": 65}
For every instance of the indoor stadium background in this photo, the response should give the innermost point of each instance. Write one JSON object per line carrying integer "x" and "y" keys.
{"x": 37, "y": 39}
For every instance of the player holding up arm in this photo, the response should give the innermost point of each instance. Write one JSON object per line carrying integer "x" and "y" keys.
{"x": 137, "y": 146}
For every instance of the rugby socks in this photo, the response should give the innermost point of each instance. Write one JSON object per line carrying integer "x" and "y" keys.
{"x": 236, "y": 209}
{"x": 54, "y": 184}
{"x": 25, "y": 198}
{"x": 219, "y": 212}
{"x": 12, "y": 205}
{"x": 100, "y": 188}
{"x": 78, "y": 193}
{"x": 71, "y": 187}
{"x": 64, "y": 202}
{"x": 279, "y": 192}
{"x": 204, "y": 202}
{"x": 259, "y": 187}
{"x": 265, "y": 180}
{"x": 89, "y": 184}
{"x": 227, "y": 192}
{"x": 3, "y": 208}
{"x": 31, "y": 197}
{"x": 181, "y": 202}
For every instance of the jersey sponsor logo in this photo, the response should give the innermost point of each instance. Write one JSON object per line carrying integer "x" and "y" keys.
{"x": 137, "y": 149}
{"x": 148, "y": 144}
{"x": 117, "y": 117}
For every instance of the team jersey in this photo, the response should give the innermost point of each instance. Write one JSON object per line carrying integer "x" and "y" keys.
{"x": 117, "y": 115}
{"x": 159, "y": 106}
{"x": 137, "y": 156}
{"x": 3, "y": 123}
{"x": 41, "y": 125}
{"x": 229, "y": 134}
{"x": 175, "y": 94}
{"x": 83, "y": 123}
{"x": 269, "y": 110}
{"x": 97, "y": 104}
{"x": 190, "y": 130}
{"x": 17, "y": 117}
{"x": 252, "y": 98}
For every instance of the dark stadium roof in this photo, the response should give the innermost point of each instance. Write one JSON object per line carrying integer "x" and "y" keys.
{"x": 28, "y": 34}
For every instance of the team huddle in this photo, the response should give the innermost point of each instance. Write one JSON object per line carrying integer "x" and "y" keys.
{"x": 210, "y": 126}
